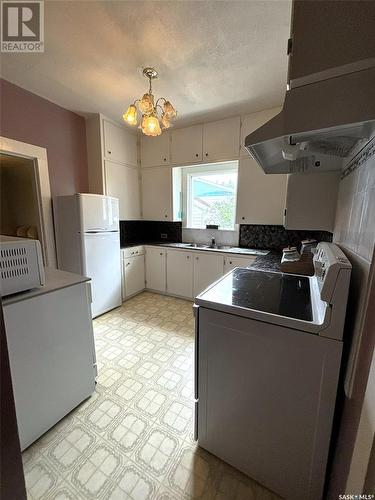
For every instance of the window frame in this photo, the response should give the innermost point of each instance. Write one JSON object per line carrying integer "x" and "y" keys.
{"x": 186, "y": 189}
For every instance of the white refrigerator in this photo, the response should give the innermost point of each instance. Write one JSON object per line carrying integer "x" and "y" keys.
{"x": 88, "y": 243}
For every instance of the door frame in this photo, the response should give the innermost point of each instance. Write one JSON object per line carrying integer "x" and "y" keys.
{"x": 43, "y": 189}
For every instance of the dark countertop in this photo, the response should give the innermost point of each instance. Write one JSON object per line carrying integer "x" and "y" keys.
{"x": 185, "y": 246}
{"x": 269, "y": 262}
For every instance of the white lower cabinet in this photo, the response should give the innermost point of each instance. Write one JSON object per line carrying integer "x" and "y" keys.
{"x": 133, "y": 275}
{"x": 180, "y": 273}
{"x": 207, "y": 269}
{"x": 156, "y": 269}
{"x": 187, "y": 274}
{"x": 232, "y": 262}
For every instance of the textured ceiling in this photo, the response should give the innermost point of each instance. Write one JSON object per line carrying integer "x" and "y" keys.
{"x": 215, "y": 58}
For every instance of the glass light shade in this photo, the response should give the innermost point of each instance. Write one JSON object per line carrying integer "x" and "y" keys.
{"x": 169, "y": 110}
{"x": 151, "y": 126}
{"x": 165, "y": 121}
{"x": 146, "y": 104}
{"x": 130, "y": 116}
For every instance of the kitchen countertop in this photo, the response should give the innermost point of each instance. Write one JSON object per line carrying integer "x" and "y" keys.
{"x": 55, "y": 280}
{"x": 186, "y": 246}
{"x": 269, "y": 262}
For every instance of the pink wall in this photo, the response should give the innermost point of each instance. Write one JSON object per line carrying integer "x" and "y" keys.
{"x": 29, "y": 118}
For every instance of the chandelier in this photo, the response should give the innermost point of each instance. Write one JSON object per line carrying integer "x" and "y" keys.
{"x": 152, "y": 123}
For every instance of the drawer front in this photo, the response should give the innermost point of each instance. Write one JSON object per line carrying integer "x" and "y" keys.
{"x": 126, "y": 253}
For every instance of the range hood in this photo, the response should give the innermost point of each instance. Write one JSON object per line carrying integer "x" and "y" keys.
{"x": 321, "y": 127}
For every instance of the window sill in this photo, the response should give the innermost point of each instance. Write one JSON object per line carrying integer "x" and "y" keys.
{"x": 204, "y": 229}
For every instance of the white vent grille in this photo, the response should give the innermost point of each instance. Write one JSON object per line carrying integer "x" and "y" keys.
{"x": 14, "y": 263}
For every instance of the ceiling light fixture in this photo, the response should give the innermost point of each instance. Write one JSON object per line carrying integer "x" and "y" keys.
{"x": 151, "y": 123}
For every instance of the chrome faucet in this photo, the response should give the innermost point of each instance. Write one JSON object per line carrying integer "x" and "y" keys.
{"x": 213, "y": 241}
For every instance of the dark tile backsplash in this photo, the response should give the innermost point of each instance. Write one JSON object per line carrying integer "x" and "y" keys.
{"x": 276, "y": 237}
{"x": 145, "y": 231}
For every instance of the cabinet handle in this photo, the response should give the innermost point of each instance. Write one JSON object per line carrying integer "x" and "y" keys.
{"x": 230, "y": 262}
{"x": 206, "y": 154}
{"x": 196, "y": 154}
{"x": 165, "y": 215}
{"x": 109, "y": 152}
{"x": 243, "y": 218}
{"x": 197, "y": 258}
{"x": 289, "y": 46}
{"x": 188, "y": 257}
{"x": 161, "y": 253}
{"x": 164, "y": 159}
{"x": 127, "y": 264}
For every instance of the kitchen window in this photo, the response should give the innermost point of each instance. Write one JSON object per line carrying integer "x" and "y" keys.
{"x": 209, "y": 194}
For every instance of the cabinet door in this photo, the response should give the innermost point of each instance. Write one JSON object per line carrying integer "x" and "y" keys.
{"x": 180, "y": 273}
{"x": 134, "y": 275}
{"x": 260, "y": 197}
{"x": 253, "y": 121}
{"x": 119, "y": 144}
{"x": 155, "y": 269}
{"x": 349, "y": 39}
{"x": 221, "y": 139}
{"x": 232, "y": 262}
{"x": 208, "y": 268}
{"x": 155, "y": 150}
{"x": 311, "y": 201}
{"x": 157, "y": 193}
{"x": 123, "y": 183}
{"x": 186, "y": 145}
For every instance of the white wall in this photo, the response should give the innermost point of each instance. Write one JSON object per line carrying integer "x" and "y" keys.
{"x": 205, "y": 235}
{"x": 355, "y": 233}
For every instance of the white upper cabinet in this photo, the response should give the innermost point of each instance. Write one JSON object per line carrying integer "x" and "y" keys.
{"x": 221, "y": 140}
{"x": 252, "y": 122}
{"x": 112, "y": 164}
{"x": 186, "y": 145}
{"x": 155, "y": 150}
{"x": 311, "y": 201}
{"x": 180, "y": 273}
{"x": 207, "y": 269}
{"x": 122, "y": 182}
{"x": 260, "y": 197}
{"x": 157, "y": 193}
{"x": 119, "y": 144}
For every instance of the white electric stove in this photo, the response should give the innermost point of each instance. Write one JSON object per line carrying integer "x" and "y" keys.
{"x": 268, "y": 353}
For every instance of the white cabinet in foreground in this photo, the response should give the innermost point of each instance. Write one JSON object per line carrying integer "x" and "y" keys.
{"x": 51, "y": 353}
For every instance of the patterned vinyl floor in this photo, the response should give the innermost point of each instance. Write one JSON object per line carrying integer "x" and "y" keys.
{"x": 133, "y": 438}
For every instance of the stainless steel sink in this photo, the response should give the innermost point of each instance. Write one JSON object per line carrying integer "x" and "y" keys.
{"x": 214, "y": 247}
